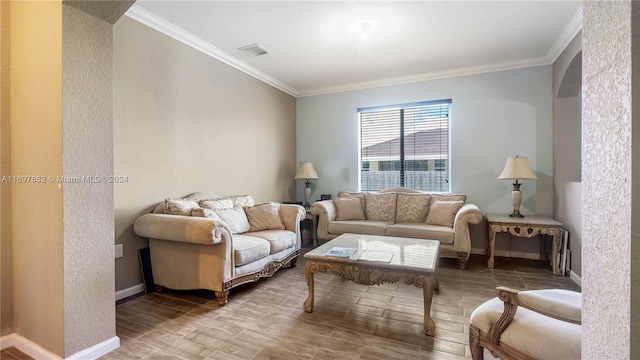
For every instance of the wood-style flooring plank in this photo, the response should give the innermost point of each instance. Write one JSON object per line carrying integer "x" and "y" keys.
{"x": 265, "y": 320}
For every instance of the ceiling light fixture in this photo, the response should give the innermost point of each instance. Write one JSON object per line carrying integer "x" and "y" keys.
{"x": 364, "y": 34}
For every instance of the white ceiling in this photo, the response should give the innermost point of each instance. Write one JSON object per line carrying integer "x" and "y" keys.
{"x": 315, "y": 46}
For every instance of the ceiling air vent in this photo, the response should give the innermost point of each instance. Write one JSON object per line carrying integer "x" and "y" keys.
{"x": 254, "y": 49}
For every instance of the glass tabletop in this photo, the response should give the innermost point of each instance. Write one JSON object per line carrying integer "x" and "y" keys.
{"x": 407, "y": 253}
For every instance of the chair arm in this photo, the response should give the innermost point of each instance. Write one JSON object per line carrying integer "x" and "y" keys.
{"x": 468, "y": 214}
{"x": 326, "y": 212}
{"x": 191, "y": 229}
{"x": 563, "y": 305}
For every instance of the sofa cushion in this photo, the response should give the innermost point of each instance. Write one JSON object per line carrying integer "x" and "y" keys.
{"x": 358, "y": 227}
{"x": 235, "y": 218}
{"x": 412, "y": 208}
{"x": 349, "y": 208}
{"x": 216, "y": 204}
{"x": 247, "y": 249}
{"x": 208, "y": 213}
{"x": 443, "y": 212}
{"x": 380, "y": 207}
{"x": 180, "y": 206}
{"x": 444, "y": 234}
{"x": 264, "y": 217}
{"x": 278, "y": 239}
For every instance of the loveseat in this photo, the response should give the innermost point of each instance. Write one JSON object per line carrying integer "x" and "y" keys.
{"x": 210, "y": 242}
{"x": 401, "y": 212}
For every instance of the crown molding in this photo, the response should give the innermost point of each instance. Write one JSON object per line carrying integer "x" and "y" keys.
{"x": 137, "y": 13}
{"x": 569, "y": 33}
{"x": 436, "y": 75}
{"x": 142, "y": 16}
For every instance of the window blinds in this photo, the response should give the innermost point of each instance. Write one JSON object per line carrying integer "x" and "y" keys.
{"x": 405, "y": 145}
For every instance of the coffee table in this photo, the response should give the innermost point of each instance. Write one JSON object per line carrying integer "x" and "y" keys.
{"x": 414, "y": 260}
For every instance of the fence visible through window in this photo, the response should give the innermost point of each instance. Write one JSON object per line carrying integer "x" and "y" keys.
{"x": 405, "y": 145}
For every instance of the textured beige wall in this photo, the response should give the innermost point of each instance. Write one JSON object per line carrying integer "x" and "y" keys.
{"x": 610, "y": 220}
{"x": 185, "y": 122}
{"x": 567, "y": 146}
{"x": 6, "y": 262}
{"x": 36, "y": 140}
{"x": 89, "y": 312}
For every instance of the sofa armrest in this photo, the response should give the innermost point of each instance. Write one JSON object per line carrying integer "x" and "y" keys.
{"x": 191, "y": 229}
{"x": 468, "y": 214}
{"x": 292, "y": 214}
{"x": 326, "y": 212}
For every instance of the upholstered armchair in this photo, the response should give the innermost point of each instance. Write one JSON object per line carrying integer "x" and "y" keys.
{"x": 532, "y": 324}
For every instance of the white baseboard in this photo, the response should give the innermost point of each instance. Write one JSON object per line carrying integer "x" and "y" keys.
{"x": 125, "y": 293}
{"x": 97, "y": 350}
{"x": 27, "y": 346}
{"x": 38, "y": 352}
{"x": 576, "y": 279}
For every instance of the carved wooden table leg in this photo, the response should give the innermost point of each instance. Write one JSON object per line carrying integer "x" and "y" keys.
{"x": 427, "y": 291}
{"x": 309, "y": 269}
{"x": 492, "y": 246}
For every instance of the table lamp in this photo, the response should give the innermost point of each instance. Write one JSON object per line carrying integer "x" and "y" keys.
{"x": 306, "y": 171}
{"x": 517, "y": 168}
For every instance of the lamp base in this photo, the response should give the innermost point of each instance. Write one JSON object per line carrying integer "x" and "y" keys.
{"x": 307, "y": 194}
{"x": 516, "y": 214}
{"x": 516, "y": 198}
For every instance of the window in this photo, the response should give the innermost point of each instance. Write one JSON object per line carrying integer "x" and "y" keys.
{"x": 405, "y": 145}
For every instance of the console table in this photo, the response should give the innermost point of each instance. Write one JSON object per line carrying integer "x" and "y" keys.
{"x": 528, "y": 227}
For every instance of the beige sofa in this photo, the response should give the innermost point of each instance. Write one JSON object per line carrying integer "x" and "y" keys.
{"x": 401, "y": 212}
{"x": 209, "y": 242}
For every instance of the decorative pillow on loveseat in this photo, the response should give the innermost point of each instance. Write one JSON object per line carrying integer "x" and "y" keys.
{"x": 180, "y": 206}
{"x": 235, "y": 218}
{"x": 349, "y": 208}
{"x": 443, "y": 212}
{"x": 412, "y": 208}
{"x": 380, "y": 207}
{"x": 216, "y": 204}
{"x": 264, "y": 217}
{"x": 207, "y": 213}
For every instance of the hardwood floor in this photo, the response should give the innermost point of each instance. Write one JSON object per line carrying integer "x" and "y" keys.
{"x": 12, "y": 353}
{"x": 265, "y": 320}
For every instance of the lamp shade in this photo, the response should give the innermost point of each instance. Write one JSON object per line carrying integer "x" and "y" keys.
{"x": 306, "y": 171}
{"x": 517, "y": 168}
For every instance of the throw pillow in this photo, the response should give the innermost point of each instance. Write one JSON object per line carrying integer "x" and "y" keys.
{"x": 179, "y": 206}
{"x": 235, "y": 218}
{"x": 449, "y": 197}
{"x": 208, "y": 213}
{"x": 351, "y": 194}
{"x": 412, "y": 208}
{"x": 264, "y": 217}
{"x": 380, "y": 207}
{"x": 443, "y": 212}
{"x": 216, "y": 204}
{"x": 240, "y": 200}
{"x": 349, "y": 208}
